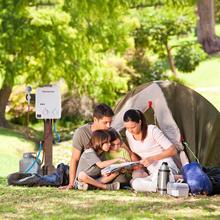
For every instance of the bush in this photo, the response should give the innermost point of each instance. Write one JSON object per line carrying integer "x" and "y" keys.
{"x": 188, "y": 57}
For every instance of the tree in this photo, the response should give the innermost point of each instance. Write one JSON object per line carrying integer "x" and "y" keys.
{"x": 44, "y": 40}
{"x": 206, "y": 26}
{"x": 161, "y": 31}
{"x": 29, "y": 32}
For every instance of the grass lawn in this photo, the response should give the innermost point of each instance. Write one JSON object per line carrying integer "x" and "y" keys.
{"x": 206, "y": 80}
{"x": 12, "y": 147}
{"x": 52, "y": 203}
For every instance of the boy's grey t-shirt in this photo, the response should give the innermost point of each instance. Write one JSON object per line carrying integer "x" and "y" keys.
{"x": 88, "y": 159}
{"x": 82, "y": 136}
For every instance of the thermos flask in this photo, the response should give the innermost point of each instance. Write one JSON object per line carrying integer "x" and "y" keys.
{"x": 163, "y": 178}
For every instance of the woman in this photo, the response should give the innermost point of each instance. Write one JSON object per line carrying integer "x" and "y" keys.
{"x": 153, "y": 148}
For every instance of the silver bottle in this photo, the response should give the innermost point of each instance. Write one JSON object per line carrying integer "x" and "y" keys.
{"x": 163, "y": 178}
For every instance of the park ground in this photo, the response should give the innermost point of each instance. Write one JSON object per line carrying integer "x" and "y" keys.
{"x": 51, "y": 203}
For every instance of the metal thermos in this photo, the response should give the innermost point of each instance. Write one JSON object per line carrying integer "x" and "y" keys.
{"x": 163, "y": 178}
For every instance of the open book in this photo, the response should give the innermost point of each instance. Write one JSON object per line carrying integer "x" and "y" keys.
{"x": 116, "y": 167}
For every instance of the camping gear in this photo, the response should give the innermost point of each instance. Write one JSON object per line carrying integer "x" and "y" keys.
{"x": 214, "y": 175}
{"x": 178, "y": 189}
{"x": 59, "y": 178}
{"x": 182, "y": 114}
{"x": 198, "y": 181}
{"x": 29, "y": 163}
{"x": 163, "y": 178}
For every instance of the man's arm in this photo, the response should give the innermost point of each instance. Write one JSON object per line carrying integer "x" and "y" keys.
{"x": 73, "y": 167}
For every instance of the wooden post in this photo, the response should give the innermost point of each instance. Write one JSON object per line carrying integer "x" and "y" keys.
{"x": 48, "y": 167}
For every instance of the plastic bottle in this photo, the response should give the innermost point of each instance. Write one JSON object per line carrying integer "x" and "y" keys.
{"x": 28, "y": 165}
{"x": 163, "y": 178}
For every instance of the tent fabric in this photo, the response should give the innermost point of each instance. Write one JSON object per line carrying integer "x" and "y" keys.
{"x": 163, "y": 114}
{"x": 180, "y": 112}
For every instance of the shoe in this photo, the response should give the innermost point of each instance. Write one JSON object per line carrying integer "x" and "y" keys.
{"x": 82, "y": 186}
{"x": 113, "y": 186}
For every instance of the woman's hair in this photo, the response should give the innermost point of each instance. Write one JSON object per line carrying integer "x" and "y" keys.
{"x": 135, "y": 115}
{"x": 114, "y": 135}
{"x": 99, "y": 137}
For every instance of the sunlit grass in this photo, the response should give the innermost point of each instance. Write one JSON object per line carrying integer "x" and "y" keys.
{"x": 206, "y": 80}
{"x": 51, "y": 203}
{"x": 207, "y": 74}
{"x": 12, "y": 146}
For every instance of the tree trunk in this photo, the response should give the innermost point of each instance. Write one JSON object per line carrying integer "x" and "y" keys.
{"x": 5, "y": 92}
{"x": 206, "y": 26}
{"x": 171, "y": 61}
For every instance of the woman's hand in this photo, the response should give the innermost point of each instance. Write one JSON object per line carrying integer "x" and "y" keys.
{"x": 137, "y": 167}
{"x": 147, "y": 161}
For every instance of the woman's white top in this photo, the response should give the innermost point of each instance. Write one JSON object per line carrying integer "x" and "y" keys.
{"x": 154, "y": 143}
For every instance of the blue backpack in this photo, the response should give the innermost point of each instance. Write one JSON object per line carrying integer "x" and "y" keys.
{"x": 197, "y": 179}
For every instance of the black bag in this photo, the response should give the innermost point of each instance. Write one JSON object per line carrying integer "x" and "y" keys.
{"x": 214, "y": 175}
{"x": 59, "y": 178}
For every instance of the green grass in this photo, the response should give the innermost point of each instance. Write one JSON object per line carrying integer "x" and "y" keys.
{"x": 207, "y": 74}
{"x": 206, "y": 80}
{"x": 12, "y": 146}
{"x": 52, "y": 203}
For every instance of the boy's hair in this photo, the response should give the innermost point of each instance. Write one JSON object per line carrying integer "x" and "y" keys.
{"x": 99, "y": 137}
{"x": 114, "y": 135}
{"x": 102, "y": 110}
{"x": 135, "y": 115}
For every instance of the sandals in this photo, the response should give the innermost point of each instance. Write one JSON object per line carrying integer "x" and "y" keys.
{"x": 113, "y": 186}
{"x": 82, "y": 186}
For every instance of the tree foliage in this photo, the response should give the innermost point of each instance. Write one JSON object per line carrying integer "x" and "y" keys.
{"x": 160, "y": 31}
{"x": 188, "y": 57}
{"x": 42, "y": 41}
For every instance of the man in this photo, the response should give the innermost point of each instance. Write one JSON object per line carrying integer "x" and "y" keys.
{"x": 102, "y": 118}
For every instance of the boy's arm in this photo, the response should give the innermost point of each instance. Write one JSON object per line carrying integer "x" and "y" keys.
{"x": 103, "y": 164}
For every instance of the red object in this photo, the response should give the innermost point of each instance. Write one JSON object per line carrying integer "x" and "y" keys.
{"x": 182, "y": 139}
{"x": 150, "y": 104}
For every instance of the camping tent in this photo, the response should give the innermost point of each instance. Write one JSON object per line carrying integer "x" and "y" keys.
{"x": 180, "y": 113}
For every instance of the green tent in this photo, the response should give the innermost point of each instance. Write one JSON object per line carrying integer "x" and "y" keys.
{"x": 181, "y": 113}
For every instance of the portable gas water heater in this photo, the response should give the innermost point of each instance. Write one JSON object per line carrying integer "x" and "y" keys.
{"x": 48, "y": 108}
